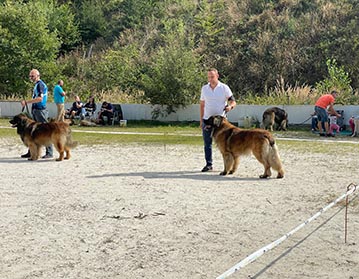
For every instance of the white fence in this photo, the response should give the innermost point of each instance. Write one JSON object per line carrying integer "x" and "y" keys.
{"x": 297, "y": 114}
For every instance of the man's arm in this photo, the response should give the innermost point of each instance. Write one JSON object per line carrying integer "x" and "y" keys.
{"x": 32, "y": 101}
{"x": 201, "y": 113}
{"x": 332, "y": 110}
{"x": 231, "y": 104}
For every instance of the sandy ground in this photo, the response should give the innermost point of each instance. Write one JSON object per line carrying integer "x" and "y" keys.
{"x": 145, "y": 211}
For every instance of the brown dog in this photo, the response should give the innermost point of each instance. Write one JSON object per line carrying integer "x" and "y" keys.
{"x": 35, "y": 134}
{"x": 275, "y": 117}
{"x": 234, "y": 142}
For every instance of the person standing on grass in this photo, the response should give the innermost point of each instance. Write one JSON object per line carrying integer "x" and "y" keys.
{"x": 216, "y": 97}
{"x": 59, "y": 99}
{"x": 38, "y": 108}
{"x": 323, "y": 103}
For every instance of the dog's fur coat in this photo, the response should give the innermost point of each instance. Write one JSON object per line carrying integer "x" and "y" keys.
{"x": 35, "y": 135}
{"x": 234, "y": 142}
{"x": 275, "y": 117}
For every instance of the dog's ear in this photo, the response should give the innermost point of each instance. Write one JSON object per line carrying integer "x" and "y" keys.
{"x": 209, "y": 121}
{"x": 23, "y": 121}
{"x": 217, "y": 120}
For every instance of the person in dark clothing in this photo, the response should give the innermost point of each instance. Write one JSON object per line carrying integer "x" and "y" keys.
{"x": 106, "y": 113}
{"x": 90, "y": 106}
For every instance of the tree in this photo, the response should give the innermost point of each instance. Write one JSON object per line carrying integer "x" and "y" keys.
{"x": 28, "y": 40}
{"x": 172, "y": 78}
{"x": 25, "y": 43}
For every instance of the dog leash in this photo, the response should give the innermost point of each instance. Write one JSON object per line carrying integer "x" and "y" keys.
{"x": 27, "y": 108}
{"x": 306, "y": 120}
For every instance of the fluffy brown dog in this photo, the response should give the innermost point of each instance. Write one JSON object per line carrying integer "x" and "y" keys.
{"x": 234, "y": 142}
{"x": 35, "y": 134}
{"x": 275, "y": 117}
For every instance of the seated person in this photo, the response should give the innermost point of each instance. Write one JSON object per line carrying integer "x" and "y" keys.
{"x": 77, "y": 109}
{"x": 90, "y": 106}
{"x": 333, "y": 124}
{"x": 106, "y": 113}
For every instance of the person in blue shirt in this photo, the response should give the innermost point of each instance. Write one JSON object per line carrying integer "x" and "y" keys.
{"x": 59, "y": 99}
{"x": 38, "y": 107}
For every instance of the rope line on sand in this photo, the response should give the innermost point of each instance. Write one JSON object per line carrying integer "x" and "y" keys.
{"x": 252, "y": 257}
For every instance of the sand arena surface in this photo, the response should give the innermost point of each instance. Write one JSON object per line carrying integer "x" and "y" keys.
{"x": 145, "y": 211}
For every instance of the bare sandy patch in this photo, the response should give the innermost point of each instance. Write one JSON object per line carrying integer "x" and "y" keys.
{"x": 146, "y": 211}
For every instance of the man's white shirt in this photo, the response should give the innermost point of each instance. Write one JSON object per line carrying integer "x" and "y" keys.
{"x": 215, "y": 99}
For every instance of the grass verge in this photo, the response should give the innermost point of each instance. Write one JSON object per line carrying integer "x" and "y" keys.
{"x": 149, "y": 132}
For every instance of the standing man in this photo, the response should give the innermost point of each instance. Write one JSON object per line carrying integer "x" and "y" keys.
{"x": 38, "y": 108}
{"x": 216, "y": 97}
{"x": 59, "y": 99}
{"x": 323, "y": 103}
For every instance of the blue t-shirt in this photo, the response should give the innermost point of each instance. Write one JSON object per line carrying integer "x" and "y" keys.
{"x": 40, "y": 90}
{"x": 58, "y": 98}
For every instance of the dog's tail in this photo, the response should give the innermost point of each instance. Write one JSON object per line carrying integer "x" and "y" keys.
{"x": 69, "y": 142}
{"x": 270, "y": 140}
{"x": 274, "y": 158}
{"x": 72, "y": 144}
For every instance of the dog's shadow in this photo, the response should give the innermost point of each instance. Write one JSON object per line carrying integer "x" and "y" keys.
{"x": 194, "y": 175}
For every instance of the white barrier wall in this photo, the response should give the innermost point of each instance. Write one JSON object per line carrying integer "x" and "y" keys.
{"x": 296, "y": 114}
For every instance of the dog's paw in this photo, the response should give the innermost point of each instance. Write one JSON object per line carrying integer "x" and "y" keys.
{"x": 263, "y": 176}
{"x": 223, "y": 173}
{"x": 231, "y": 172}
{"x": 280, "y": 176}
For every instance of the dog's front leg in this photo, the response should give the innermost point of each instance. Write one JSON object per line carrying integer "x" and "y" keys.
{"x": 34, "y": 151}
{"x": 228, "y": 163}
{"x": 235, "y": 164}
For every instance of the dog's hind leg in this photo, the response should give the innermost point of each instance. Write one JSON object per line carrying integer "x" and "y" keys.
{"x": 275, "y": 161}
{"x": 60, "y": 148}
{"x": 68, "y": 153}
{"x": 283, "y": 125}
{"x": 267, "y": 171}
{"x": 264, "y": 161}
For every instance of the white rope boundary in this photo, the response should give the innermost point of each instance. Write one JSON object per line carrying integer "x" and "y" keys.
{"x": 252, "y": 257}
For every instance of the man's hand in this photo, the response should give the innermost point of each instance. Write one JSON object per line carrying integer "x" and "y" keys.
{"x": 228, "y": 108}
{"x": 23, "y": 103}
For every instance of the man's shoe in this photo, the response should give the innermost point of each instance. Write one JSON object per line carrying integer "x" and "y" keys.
{"x": 322, "y": 134}
{"x": 330, "y": 135}
{"x": 47, "y": 156}
{"x": 27, "y": 155}
{"x": 207, "y": 168}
